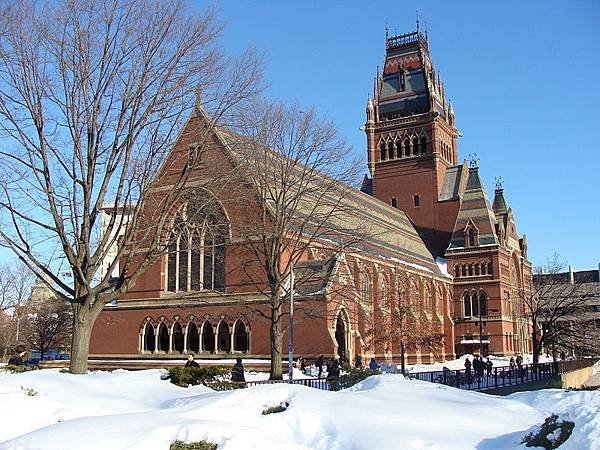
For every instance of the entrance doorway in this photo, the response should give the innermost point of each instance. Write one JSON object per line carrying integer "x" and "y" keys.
{"x": 340, "y": 337}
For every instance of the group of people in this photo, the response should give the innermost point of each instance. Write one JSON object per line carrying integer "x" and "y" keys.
{"x": 237, "y": 371}
{"x": 333, "y": 366}
{"x": 479, "y": 366}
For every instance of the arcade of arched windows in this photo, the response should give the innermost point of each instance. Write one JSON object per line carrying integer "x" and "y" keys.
{"x": 476, "y": 269}
{"x": 474, "y": 304}
{"x": 209, "y": 335}
{"x": 401, "y": 147}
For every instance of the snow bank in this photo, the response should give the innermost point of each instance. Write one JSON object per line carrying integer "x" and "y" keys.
{"x": 137, "y": 410}
{"x": 581, "y": 407}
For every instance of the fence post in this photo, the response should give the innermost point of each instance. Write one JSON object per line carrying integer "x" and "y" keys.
{"x": 495, "y": 376}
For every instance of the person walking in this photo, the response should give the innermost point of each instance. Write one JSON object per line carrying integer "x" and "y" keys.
{"x": 468, "y": 369}
{"x": 190, "y": 361}
{"x": 319, "y": 364}
{"x": 512, "y": 364}
{"x": 302, "y": 364}
{"x": 237, "y": 371}
{"x": 17, "y": 358}
{"x": 489, "y": 366}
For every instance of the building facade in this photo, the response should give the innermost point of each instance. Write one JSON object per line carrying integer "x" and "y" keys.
{"x": 440, "y": 251}
{"x": 414, "y": 166}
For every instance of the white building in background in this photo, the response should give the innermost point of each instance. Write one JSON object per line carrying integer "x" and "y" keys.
{"x": 105, "y": 216}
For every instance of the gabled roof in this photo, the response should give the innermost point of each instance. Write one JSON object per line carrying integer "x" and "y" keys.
{"x": 476, "y": 209}
{"x": 391, "y": 235}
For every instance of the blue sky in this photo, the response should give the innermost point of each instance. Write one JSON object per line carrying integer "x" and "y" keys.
{"x": 523, "y": 78}
{"x": 522, "y": 75}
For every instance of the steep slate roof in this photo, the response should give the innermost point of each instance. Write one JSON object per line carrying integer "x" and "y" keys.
{"x": 475, "y": 207}
{"x": 452, "y": 182}
{"x": 391, "y": 234}
{"x": 499, "y": 205}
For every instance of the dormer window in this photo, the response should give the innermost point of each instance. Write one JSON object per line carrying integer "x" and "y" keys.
{"x": 471, "y": 235}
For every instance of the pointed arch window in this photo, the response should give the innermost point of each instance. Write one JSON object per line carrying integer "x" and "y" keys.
{"x": 384, "y": 294}
{"x": 240, "y": 337}
{"x": 178, "y": 340}
{"x": 471, "y": 235}
{"x": 196, "y": 252}
{"x": 208, "y": 337}
{"x": 163, "y": 338}
{"x": 383, "y": 151}
{"x": 422, "y": 145}
{"x": 149, "y": 338}
{"x": 475, "y": 304}
{"x": 193, "y": 338}
{"x": 366, "y": 289}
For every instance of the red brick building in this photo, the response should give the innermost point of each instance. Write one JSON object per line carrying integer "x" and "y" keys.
{"x": 414, "y": 166}
{"x": 423, "y": 207}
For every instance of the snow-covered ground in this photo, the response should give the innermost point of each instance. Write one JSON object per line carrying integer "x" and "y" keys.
{"x": 138, "y": 410}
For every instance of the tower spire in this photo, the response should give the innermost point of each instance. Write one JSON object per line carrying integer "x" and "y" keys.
{"x": 417, "y": 21}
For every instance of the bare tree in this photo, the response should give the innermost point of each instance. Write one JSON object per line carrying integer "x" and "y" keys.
{"x": 297, "y": 170}
{"x": 559, "y": 311}
{"x": 16, "y": 281}
{"x": 93, "y": 95}
{"x": 49, "y": 326}
{"x": 403, "y": 321}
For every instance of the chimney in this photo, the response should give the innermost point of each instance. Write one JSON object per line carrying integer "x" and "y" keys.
{"x": 598, "y": 271}
{"x": 571, "y": 277}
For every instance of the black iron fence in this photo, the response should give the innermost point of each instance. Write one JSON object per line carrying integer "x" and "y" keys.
{"x": 496, "y": 377}
{"x": 332, "y": 384}
{"x": 480, "y": 380}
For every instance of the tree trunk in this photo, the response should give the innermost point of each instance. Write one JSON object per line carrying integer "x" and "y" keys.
{"x": 276, "y": 343}
{"x": 80, "y": 344}
{"x": 535, "y": 344}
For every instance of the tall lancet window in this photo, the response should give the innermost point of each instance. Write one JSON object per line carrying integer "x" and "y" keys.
{"x": 196, "y": 252}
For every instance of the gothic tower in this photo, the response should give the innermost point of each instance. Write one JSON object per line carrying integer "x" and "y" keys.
{"x": 411, "y": 140}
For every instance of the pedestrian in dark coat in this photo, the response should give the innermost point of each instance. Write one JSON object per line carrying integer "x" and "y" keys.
{"x": 373, "y": 365}
{"x": 358, "y": 361}
{"x": 319, "y": 364}
{"x": 333, "y": 372}
{"x": 489, "y": 366}
{"x": 468, "y": 369}
{"x": 190, "y": 361}
{"x": 519, "y": 361}
{"x": 17, "y": 358}
{"x": 237, "y": 371}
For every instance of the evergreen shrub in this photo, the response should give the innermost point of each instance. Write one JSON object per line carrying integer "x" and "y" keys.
{"x": 546, "y": 437}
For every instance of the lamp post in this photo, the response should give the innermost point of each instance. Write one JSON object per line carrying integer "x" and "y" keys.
{"x": 291, "y": 327}
{"x": 480, "y": 326}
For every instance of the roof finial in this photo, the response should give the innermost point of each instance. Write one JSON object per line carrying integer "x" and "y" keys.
{"x": 426, "y": 30}
{"x": 198, "y": 99}
{"x": 498, "y": 181}
{"x": 387, "y": 32}
{"x": 417, "y": 21}
{"x": 473, "y": 160}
